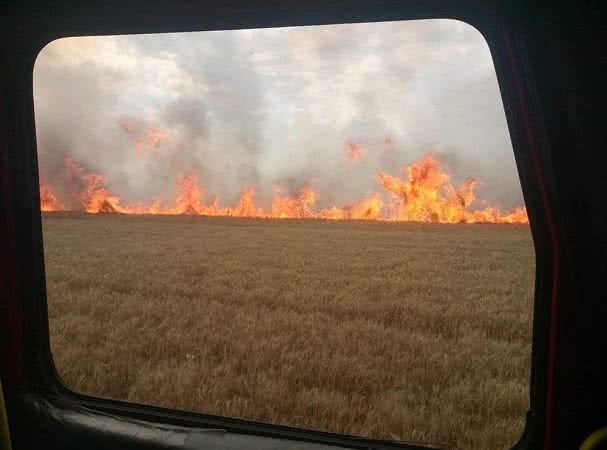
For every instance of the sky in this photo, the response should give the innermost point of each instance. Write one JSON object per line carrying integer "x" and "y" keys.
{"x": 274, "y": 107}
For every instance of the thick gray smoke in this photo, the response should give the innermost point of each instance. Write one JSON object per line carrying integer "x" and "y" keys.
{"x": 271, "y": 108}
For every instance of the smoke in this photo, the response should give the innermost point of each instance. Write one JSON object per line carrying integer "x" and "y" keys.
{"x": 274, "y": 107}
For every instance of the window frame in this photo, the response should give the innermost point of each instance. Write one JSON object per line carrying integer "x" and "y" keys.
{"x": 33, "y": 371}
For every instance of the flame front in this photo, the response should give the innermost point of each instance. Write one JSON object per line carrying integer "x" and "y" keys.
{"x": 94, "y": 197}
{"x": 423, "y": 194}
{"x": 293, "y": 207}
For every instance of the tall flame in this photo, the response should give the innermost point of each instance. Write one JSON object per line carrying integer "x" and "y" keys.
{"x": 48, "y": 200}
{"x": 94, "y": 197}
{"x": 189, "y": 196}
{"x": 423, "y": 194}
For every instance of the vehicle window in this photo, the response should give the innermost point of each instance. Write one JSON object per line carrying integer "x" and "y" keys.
{"x": 317, "y": 226}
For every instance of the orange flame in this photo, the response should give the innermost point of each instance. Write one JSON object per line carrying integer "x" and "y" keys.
{"x": 94, "y": 197}
{"x": 289, "y": 207}
{"x": 189, "y": 196}
{"x": 48, "y": 200}
{"x": 246, "y": 206}
{"x": 427, "y": 196}
{"x": 367, "y": 209}
{"x": 424, "y": 194}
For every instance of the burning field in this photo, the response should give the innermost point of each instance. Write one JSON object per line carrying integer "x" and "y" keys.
{"x": 423, "y": 193}
{"x": 317, "y": 226}
{"x": 377, "y": 327}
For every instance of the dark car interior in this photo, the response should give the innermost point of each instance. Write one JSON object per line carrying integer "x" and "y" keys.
{"x": 548, "y": 59}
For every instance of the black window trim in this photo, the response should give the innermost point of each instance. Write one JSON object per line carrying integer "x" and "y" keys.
{"x": 500, "y": 28}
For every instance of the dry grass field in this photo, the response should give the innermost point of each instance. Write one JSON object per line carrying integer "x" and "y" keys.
{"x": 385, "y": 330}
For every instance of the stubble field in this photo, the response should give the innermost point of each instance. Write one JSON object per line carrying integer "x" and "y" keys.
{"x": 386, "y": 330}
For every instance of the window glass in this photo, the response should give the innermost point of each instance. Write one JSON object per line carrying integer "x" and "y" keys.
{"x": 318, "y": 226}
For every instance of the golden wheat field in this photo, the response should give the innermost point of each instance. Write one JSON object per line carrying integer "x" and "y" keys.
{"x": 386, "y": 330}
